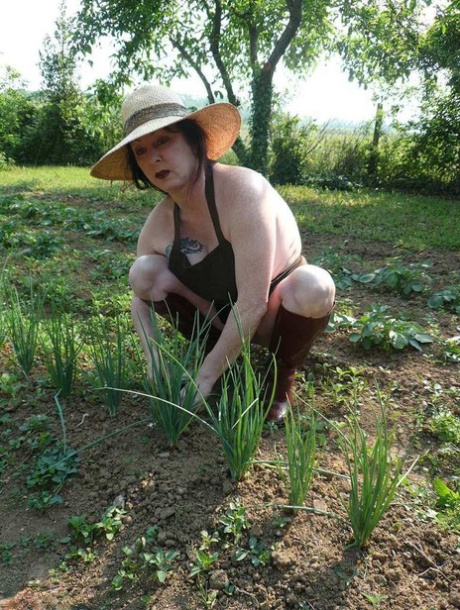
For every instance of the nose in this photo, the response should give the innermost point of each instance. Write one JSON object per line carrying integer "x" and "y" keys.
{"x": 155, "y": 155}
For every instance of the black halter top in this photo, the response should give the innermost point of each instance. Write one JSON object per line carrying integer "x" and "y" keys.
{"x": 213, "y": 278}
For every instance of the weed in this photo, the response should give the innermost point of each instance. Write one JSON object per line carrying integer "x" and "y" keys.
{"x": 142, "y": 558}
{"x": 6, "y": 552}
{"x": 448, "y": 501}
{"x": 450, "y": 350}
{"x": 234, "y": 523}
{"x": 257, "y": 552}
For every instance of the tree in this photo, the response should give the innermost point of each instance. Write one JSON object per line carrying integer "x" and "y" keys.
{"x": 16, "y": 112}
{"x": 236, "y": 45}
{"x": 62, "y": 131}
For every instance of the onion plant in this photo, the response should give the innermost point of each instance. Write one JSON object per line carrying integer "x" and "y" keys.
{"x": 61, "y": 346}
{"x": 301, "y": 454}
{"x": 109, "y": 359}
{"x": 374, "y": 475}
{"x": 22, "y": 323}
{"x": 239, "y": 417}
{"x": 175, "y": 364}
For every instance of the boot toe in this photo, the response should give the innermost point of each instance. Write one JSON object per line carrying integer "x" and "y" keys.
{"x": 277, "y": 413}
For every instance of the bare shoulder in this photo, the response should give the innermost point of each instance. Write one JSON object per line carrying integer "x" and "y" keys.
{"x": 157, "y": 228}
{"x": 237, "y": 185}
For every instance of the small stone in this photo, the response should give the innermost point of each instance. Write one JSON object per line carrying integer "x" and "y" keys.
{"x": 282, "y": 559}
{"x": 454, "y": 599}
{"x": 218, "y": 579}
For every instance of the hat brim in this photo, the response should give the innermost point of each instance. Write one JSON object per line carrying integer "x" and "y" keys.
{"x": 221, "y": 123}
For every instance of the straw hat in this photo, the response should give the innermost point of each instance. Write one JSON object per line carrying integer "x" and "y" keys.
{"x": 152, "y": 107}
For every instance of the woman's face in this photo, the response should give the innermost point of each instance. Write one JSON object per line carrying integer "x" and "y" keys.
{"x": 166, "y": 159}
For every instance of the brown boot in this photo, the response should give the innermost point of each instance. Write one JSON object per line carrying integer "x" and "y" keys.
{"x": 177, "y": 310}
{"x": 292, "y": 338}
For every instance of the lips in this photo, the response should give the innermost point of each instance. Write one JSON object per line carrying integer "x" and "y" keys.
{"x": 162, "y": 175}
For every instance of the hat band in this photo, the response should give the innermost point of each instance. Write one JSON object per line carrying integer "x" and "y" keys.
{"x": 159, "y": 111}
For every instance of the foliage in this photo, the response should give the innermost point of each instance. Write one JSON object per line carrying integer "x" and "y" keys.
{"x": 395, "y": 276}
{"x": 450, "y": 349}
{"x": 377, "y": 329}
{"x": 239, "y": 417}
{"x": 448, "y": 501}
{"x": 244, "y": 43}
{"x": 16, "y": 112}
{"x": 142, "y": 558}
{"x": 448, "y": 297}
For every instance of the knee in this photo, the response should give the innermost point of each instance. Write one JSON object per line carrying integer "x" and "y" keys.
{"x": 145, "y": 276}
{"x": 311, "y": 292}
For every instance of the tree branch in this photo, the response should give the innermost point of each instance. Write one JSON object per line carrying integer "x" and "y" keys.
{"x": 186, "y": 55}
{"x": 295, "y": 18}
{"x": 215, "y": 50}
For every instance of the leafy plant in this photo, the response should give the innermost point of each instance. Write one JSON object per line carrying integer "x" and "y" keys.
{"x": 449, "y": 298}
{"x": 448, "y": 500}
{"x": 336, "y": 264}
{"x": 404, "y": 279}
{"x": 446, "y": 425}
{"x": 234, "y": 522}
{"x": 53, "y": 467}
{"x": 377, "y": 329}
{"x": 256, "y": 551}
{"x": 141, "y": 558}
{"x": 374, "y": 475}
{"x": 450, "y": 349}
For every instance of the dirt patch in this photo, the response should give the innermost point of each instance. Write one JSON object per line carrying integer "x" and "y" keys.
{"x": 270, "y": 558}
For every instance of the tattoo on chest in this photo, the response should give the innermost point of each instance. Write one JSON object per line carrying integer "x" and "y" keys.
{"x": 187, "y": 246}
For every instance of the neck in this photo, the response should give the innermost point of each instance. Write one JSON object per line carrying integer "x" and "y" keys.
{"x": 192, "y": 195}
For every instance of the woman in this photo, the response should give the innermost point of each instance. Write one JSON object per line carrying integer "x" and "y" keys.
{"x": 221, "y": 235}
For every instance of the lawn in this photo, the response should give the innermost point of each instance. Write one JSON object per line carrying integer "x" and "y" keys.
{"x": 99, "y": 511}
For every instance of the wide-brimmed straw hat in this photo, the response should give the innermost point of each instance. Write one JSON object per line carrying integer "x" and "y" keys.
{"x": 152, "y": 107}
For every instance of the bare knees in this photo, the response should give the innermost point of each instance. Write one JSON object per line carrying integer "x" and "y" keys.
{"x": 308, "y": 291}
{"x": 150, "y": 277}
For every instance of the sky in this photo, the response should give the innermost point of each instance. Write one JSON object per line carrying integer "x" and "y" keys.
{"x": 325, "y": 95}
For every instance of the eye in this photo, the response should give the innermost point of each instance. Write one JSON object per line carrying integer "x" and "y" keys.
{"x": 139, "y": 151}
{"x": 162, "y": 140}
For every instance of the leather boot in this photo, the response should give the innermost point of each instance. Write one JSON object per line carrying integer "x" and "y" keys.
{"x": 292, "y": 339}
{"x": 177, "y": 310}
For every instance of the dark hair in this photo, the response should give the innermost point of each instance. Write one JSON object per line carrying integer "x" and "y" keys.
{"x": 195, "y": 137}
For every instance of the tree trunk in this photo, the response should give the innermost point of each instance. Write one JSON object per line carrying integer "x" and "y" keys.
{"x": 372, "y": 166}
{"x": 262, "y": 93}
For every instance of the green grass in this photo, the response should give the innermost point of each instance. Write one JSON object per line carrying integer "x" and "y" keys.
{"x": 414, "y": 221}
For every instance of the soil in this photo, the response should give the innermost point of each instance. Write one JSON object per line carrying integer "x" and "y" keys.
{"x": 410, "y": 562}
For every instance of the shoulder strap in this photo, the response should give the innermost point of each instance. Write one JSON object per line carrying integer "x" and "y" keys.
{"x": 176, "y": 224}
{"x": 211, "y": 200}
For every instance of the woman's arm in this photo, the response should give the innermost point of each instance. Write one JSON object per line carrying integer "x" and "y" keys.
{"x": 249, "y": 218}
